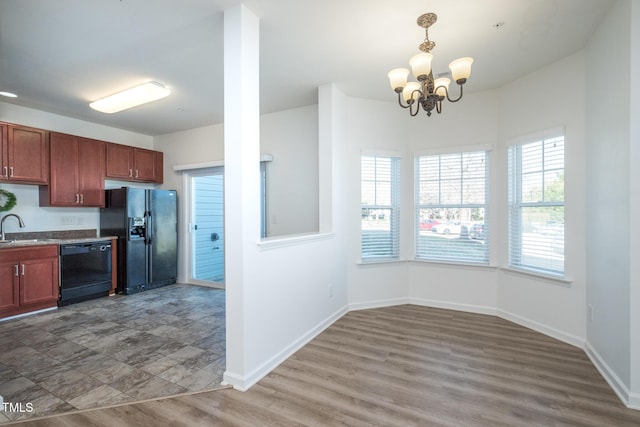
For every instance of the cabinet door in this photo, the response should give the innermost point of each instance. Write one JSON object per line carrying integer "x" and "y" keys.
{"x": 145, "y": 165}
{"x": 38, "y": 281}
{"x": 4, "y": 161}
{"x": 28, "y": 155}
{"x": 63, "y": 188}
{"x": 91, "y": 172}
{"x": 9, "y": 286}
{"x": 119, "y": 161}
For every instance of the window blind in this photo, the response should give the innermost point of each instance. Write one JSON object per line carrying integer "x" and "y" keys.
{"x": 451, "y": 207}
{"x": 536, "y": 205}
{"x": 380, "y": 207}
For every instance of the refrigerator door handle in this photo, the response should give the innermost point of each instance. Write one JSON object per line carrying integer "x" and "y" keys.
{"x": 149, "y": 234}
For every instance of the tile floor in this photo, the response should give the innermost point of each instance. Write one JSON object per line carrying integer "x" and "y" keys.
{"x": 113, "y": 350}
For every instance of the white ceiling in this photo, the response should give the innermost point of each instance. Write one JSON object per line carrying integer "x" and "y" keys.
{"x": 58, "y": 55}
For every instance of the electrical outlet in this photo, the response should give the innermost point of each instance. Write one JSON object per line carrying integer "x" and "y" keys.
{"x": 590, "y": 312}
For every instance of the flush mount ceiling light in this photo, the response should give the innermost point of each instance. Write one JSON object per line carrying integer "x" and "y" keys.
{"x": 427, "y": 92}
{"x": 137, "y": 95}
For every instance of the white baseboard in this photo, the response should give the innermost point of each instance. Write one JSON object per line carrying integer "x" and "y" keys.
{"x": 243, "y": 383}
{"x": 622, "y": 391}
{"x": 378, "y": 304}
{"x": 542, "y": 328}
{"x": 469, "y": 308}
{"x": 634, "y": 401}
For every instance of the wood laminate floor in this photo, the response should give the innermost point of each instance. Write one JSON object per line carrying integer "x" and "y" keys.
{"x": 400, "y": 366}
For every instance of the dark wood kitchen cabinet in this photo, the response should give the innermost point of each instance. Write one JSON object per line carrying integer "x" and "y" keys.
{"x": 29, "y": 279}
{"x": 24, "y": 154}
{"x": 77, "y": 172}
{"x": 134, "y": 164}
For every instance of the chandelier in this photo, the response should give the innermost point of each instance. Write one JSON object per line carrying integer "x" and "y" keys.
{"x": 427, "y": 92}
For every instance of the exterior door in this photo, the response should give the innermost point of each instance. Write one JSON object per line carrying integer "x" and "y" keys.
{"x": 207, "y": 227}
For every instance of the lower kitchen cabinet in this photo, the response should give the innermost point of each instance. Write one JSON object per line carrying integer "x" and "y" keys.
{"x": 28, "y": 279}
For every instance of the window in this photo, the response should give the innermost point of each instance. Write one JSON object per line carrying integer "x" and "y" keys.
{"x": 451, "y": 207}
{"x": 380, "y": 207}
{"x": 536, "y": 205}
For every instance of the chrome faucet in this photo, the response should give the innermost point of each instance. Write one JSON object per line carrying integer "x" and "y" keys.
{"x": 20, "y": 222}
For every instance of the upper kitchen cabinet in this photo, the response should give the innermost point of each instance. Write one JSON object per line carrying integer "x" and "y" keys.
{"x": 24, "y": 154}
{"x": 134, "y": 164}
{"x": 77, "y": 172}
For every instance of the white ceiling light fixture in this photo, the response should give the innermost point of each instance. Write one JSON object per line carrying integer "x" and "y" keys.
{"x": 427, "y": 92}
{"x": 8, "y": 94}
{"x": 132, "y": 97}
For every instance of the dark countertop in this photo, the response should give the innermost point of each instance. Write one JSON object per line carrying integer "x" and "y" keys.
{"x": 5, "y": 244}
{"x": 40, "y": 238}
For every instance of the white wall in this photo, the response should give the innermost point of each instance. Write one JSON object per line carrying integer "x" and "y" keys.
{"x": 47, "y": 219}
{"x": 290, "y": 136}
{"x": 634, "y": 230}
{"x": 609, "y": 195}
{"x": 470, "y": 123}
{"x": 280, "y": 293}
{"x": 480, "y": 119}
{"x": 551, "y": 307}
{"x": 378, "y": 127}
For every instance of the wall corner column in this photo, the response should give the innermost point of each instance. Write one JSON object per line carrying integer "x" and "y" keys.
{"x": 241, "y": 178}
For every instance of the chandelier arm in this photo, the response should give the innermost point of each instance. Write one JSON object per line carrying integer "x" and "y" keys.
{"x": 458, "y": 98}
{"x": 415, "y": 102}
{"x": 400, "y": 101}
{"x": 439, "y": 106}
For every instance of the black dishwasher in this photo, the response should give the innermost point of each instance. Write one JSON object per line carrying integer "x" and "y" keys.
{"x": 85, "y": 271}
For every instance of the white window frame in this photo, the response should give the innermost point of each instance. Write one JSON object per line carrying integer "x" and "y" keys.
{"x": 549, "y": 246}
{"x": 440, "y": 257}
{"x": 390, "y": 250}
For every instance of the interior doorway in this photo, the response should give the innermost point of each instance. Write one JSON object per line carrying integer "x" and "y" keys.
{"x": 206, "y": 229}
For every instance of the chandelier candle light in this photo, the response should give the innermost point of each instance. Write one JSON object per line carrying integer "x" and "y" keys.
{"x": 427, "y": 92}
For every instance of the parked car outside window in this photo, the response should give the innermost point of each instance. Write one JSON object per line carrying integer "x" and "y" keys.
{"x": 428, "y": 224}
{"x": 477, "y": 231}
{"x": 447, "y": 228}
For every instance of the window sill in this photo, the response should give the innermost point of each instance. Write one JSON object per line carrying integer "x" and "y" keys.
{"x": 455, "y": 264}
{"x": 364, "y": 262}
{"x": 558, "y": 280}
{"x": 292, "y": 240}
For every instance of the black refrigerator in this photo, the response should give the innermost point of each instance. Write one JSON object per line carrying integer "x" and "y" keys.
{"x": 145, "y": 222}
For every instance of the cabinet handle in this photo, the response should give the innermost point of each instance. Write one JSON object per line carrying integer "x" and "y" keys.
{"x": 77, "y": 198}
{"x": 82, "y": 199}
{"x": 130, "y": 173}
{"x": 22, "y": 269}
{"x": 136, "y": 173}
{"x": 16, "y": 269}
{"x": 11, "y": 171}
{"x": 6, "y": 172}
